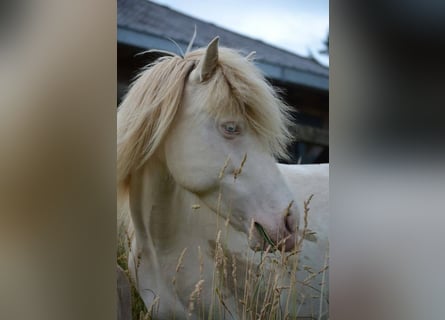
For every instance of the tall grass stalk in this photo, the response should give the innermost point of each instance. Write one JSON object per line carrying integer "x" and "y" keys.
{"x": 270, "y": 288}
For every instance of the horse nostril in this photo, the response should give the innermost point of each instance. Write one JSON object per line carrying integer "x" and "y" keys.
{"x": 289, "y": 223}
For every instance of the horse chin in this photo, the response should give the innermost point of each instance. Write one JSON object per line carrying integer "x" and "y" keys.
{"x": 256, "y": 244}
{"x": 260, "y": 246}
{"x": 288, "y": 245}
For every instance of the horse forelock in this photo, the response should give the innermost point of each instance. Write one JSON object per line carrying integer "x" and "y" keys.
{"x": 238, "y": 88}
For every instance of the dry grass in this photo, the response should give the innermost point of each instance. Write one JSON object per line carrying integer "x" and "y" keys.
{"x": 265, "y": 284}
{"x": 139, "y": 310}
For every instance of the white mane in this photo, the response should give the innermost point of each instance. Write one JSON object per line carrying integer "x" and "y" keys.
{"x": 236, "y": 88}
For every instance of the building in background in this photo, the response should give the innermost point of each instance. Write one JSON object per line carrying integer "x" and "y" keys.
{"x": 304, "y": 83}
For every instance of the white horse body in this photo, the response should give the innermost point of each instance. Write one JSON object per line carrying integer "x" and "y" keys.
{"x": 197, "y": 228}
{"x": 304, "y": 181}
{"x": 205, "y": 194}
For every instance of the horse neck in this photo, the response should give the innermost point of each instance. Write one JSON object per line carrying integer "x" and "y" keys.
{"x": 167, "y": 220}
{"x": 166, "y": 217}
{"x": 160, "y": 208}
{"x": 150, "y": 193}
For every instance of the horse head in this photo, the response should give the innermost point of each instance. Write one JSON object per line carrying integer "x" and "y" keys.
{"x": 221, "y": 146}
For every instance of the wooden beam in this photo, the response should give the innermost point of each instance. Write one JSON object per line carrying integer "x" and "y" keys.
{"x": 311, "y": 134}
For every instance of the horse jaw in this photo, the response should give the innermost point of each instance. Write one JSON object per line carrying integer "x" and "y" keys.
{"x": 207, "y": 64}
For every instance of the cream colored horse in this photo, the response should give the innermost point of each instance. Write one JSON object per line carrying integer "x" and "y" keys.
{"x": 197, "y": 136}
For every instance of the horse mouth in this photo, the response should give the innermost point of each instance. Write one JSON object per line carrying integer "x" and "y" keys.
{"x": 264, "y": 236}
{"x": 265, "y": 243}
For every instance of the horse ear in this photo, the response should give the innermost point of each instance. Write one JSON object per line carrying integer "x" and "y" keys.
{"x": 251, "y": 56}
{"x": 208, "y": 62}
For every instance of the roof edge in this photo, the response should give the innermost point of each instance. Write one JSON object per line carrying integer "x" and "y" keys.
{"x": 144, "y": 40}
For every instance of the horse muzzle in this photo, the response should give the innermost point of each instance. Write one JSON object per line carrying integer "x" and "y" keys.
{"x": 284, "y": 239}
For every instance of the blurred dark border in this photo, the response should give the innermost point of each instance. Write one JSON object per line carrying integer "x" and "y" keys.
{"x": 387, "y": 159}
{"x": 57, "y": 160}
{"x": 57, "y": 124}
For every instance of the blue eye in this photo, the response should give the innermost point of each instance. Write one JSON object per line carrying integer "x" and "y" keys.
{"x": 230, "y": 129}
